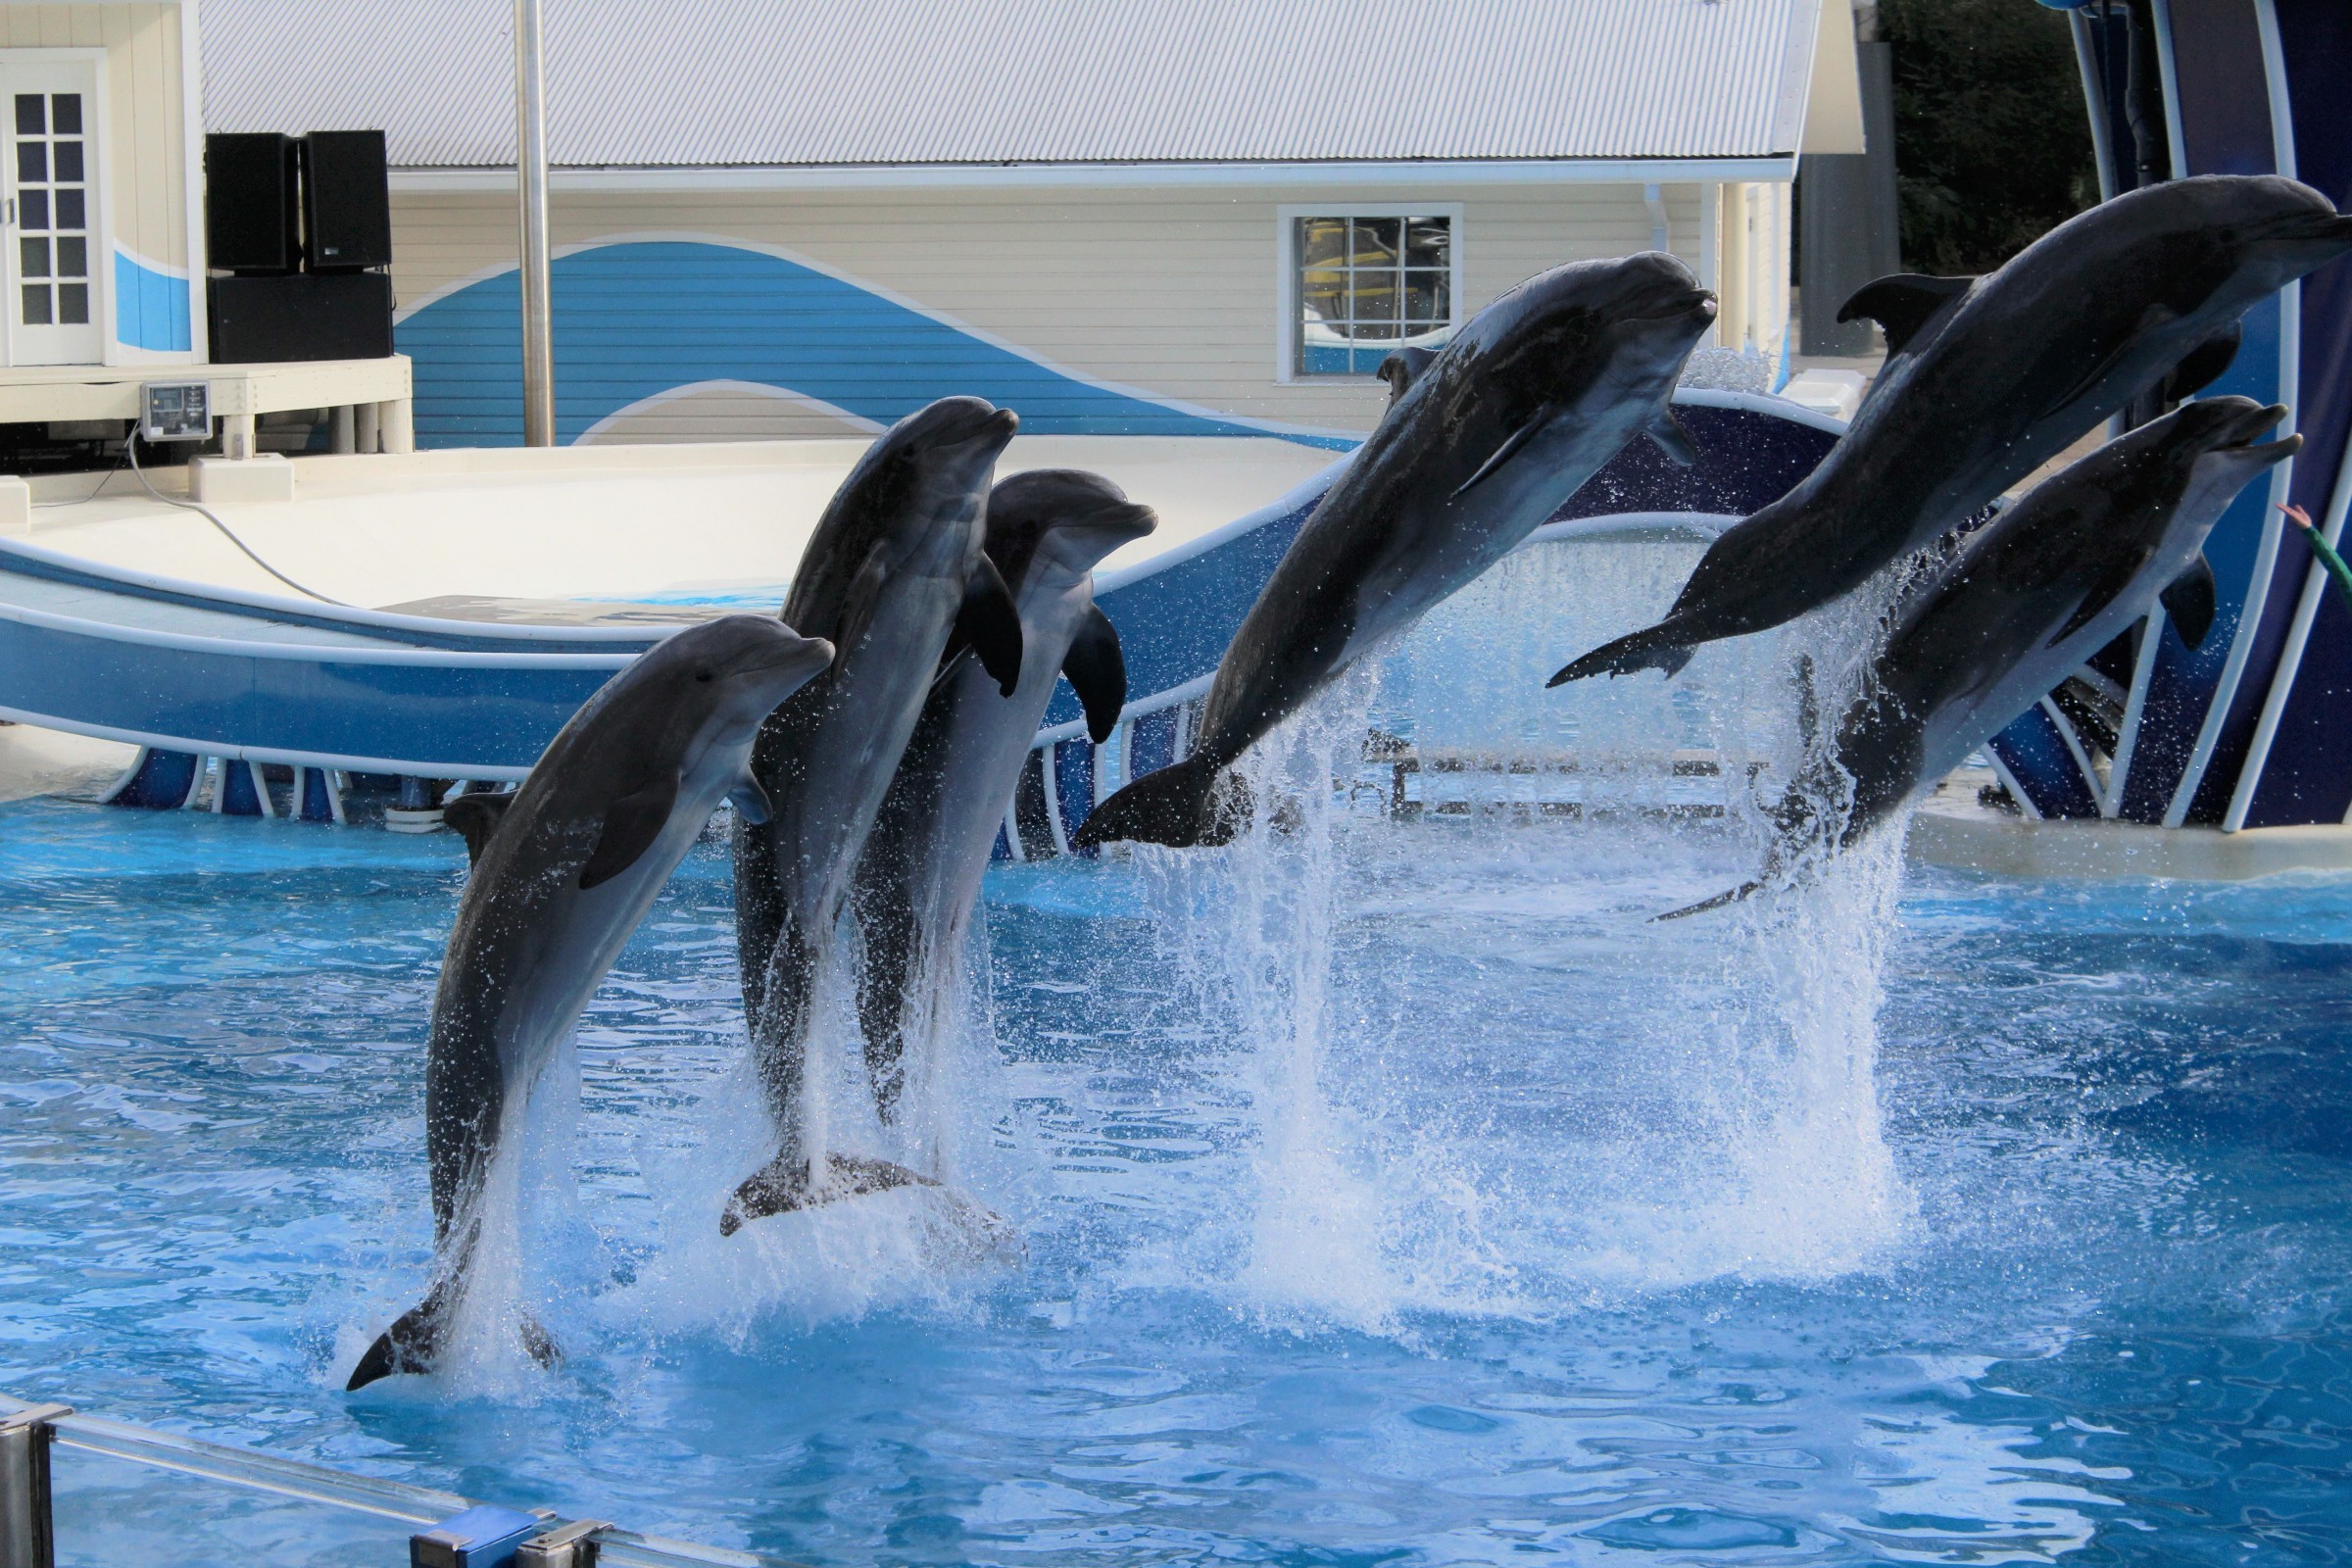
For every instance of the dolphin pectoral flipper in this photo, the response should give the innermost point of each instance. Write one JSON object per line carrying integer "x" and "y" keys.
{"x": 2189, "y": 601}
{"x": 2203, "y": 365}
{"x": 751, "y": 802}
{"x": 991, "y": 623}
{"x": 475, "y": 818}
{"x": 631, "y": 825}
{"x": 1527, "y": 431}
{"x": 1728, "y": 897}
{"x": 1904, "y": 304}
{"x": 1097, "y": 672}
{"x": 1673, "y": 437}
{"x": 858, "y": 605}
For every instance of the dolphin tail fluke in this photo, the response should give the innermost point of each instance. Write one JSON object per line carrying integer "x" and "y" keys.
{"x": 1652, "y": 648}
{"x": 1733, "y": 896}
{"x": 782, "y": 1186}
{"x": 413, "y": 1343}
{"x": 1176, "y": 805}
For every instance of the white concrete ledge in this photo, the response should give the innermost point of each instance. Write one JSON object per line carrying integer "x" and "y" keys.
{"x": 1966, "y": 838}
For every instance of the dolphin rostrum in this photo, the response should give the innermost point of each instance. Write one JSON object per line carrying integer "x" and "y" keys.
{"x": 1475, "y": 452}
{"x": 2021, "y": 604}
{"x": 1992, "y": 379}
{"x": 919, "y": 878}
{"x": 563, "y": 869}
{"x": 893, "y": 570}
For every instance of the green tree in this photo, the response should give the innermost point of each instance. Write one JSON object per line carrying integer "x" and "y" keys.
{"x": 1992, "y": 138}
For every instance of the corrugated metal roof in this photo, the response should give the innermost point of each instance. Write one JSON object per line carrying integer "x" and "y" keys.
{"x": 830, "y": 83}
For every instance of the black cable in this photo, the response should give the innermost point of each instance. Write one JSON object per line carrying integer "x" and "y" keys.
{"x": 130, "y": 452}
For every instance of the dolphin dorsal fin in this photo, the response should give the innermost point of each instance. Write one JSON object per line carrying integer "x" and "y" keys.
{"x": 631, "y": 824}
{"x": 1097, "y": 669}
{"x": 2203, "y": 365}
{"x": 475, "y": 818}
{"x": 1903, "y": 304}
{"x": 1401, "y": 369}
{"x": 991, "y": 623}
{"x": 2189, "y": 601}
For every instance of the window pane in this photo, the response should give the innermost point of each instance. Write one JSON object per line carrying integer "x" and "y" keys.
{"x": 69, "y": 162}
{"x": 74, "y": 304}
{"x": 1323, "y": 274}
{"x": 73, "y": 259}
{"x": 1376, "y": 241}
{"x": 33, "y": 209}
{"x": 66, "y": 109}
{"x": 69, "y": 207}
{"x": 29, "y": 114}
{"x": 32, "y": 162}
{"x": 1425, "y": 299}
{"x": 37, "y": 304}
{"x": 32, "y": 258}
{"x": 1427, "y": 242}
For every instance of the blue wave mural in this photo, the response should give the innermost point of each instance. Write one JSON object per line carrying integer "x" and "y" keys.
{"x": 638, "y": 318}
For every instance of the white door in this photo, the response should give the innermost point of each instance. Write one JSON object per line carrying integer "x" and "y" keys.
{"x": 55, "y": 310}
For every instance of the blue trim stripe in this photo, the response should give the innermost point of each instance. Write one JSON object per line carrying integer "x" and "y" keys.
{"x": 636, "y": 320}
{"x": 151, "y": 308}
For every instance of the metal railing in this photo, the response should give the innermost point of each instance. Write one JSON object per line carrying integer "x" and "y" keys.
{"x": 443, "y": 1533}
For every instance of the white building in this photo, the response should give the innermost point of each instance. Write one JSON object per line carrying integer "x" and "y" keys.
{"x": 802, "y": 216}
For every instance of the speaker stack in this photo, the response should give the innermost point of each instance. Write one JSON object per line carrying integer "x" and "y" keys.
{"x": 302, "y": 228}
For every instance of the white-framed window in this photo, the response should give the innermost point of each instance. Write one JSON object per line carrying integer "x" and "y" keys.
{"x": 1360, "y": 281}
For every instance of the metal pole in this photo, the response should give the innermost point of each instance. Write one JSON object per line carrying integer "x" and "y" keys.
{"x": 530, "y": 177}
{"x": 26, "y": 1538}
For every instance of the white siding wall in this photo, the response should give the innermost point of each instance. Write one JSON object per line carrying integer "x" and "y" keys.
{"x": 1172, "y": 293}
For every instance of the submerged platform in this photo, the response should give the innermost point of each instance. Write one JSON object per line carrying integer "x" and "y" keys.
{"x": 1955, "y": 829}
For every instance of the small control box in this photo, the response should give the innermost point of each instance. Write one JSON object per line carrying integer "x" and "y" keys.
{"x": 175, "y": 410}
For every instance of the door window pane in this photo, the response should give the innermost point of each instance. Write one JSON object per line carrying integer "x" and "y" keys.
{"x": 70, "y": 210}
{"x": 73, "y": 257}
{"x": 33, "y": 209}
{"x": 32, "y": 258}
{"x": 32, "y": 162}
{"x": 66, "y": 113}
{"x": 29, "y": 122}
{"x": 69, "y": 162}
{"x": 37, "y": 304}
{"x": 74, "y": 304}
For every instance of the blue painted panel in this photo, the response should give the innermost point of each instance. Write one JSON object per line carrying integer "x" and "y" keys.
{"x": 1074, "y": 783}
{"x": 2037, "y": 756}
{"x": 151, "y": 308}
{"x": 1153, "y": 746}
{"x": 240, "y": 791}
{"x": 481, "y": 714}
{"x": 162, "y": 783}
{"x": 2222, "y": 93}
{"x": 644, "y": 318}
{"x": 2309, "y": 776}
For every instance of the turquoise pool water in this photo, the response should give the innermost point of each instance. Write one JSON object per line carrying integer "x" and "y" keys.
{"x": 1390, "y": 1194}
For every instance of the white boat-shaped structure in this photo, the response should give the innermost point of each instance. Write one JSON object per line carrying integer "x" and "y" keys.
{"x": 503, "y": 587}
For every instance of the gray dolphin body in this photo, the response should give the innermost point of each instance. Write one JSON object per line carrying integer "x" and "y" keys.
{"x": 1992, "y": 382}
{"x": 895, "y": 568}
{"x": 919, "y": 876}
{"x": 563, "y": 869}
{"x": 2021, "y": 603}
{"x": 1478, "y": 449}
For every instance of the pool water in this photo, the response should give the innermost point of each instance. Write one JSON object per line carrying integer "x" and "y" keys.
{"x": 1389, "y": 1192}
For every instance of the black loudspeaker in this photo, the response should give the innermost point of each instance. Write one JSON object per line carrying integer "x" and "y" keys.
{"x": 252, "y": 202}
{"x": 302, "y": 316}
{"x": 346, "y": 200}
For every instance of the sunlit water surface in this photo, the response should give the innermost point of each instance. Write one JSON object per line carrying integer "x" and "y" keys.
{"x": 1389, "y": 1192}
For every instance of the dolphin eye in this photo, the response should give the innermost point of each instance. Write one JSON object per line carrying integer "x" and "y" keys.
{"x": 703, "y": 675}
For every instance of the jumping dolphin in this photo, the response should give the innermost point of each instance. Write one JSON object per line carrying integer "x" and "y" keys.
{"x": 1474, "y": 454}
{"x": 919, "y": 876}
{"x": 895, "y": 568}
{"x": 563, "y": 871}
{"x": 2023, "y": 603}
{"x": 1990, "y": 383}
